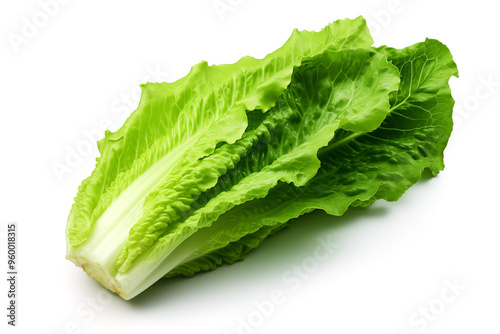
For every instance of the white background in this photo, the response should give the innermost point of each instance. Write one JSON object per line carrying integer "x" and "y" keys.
{"x": 393, "y": 260}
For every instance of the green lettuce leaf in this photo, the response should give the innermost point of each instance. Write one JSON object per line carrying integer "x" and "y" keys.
{"x": 356, "y": 168}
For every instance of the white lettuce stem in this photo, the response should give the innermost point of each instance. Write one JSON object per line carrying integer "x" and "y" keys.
{"x": 98, "y": 254}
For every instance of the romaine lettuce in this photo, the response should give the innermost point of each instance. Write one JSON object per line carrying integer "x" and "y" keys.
{"x": 207, "y": 167}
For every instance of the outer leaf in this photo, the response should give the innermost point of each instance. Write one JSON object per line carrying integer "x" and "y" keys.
{"x": 356, "y": 169}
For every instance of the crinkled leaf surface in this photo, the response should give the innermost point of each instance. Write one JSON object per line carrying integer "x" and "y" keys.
{"x": 356, "y": 169}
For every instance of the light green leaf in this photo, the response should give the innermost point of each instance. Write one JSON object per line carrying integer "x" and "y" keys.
{"x": 185, "y": 120}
